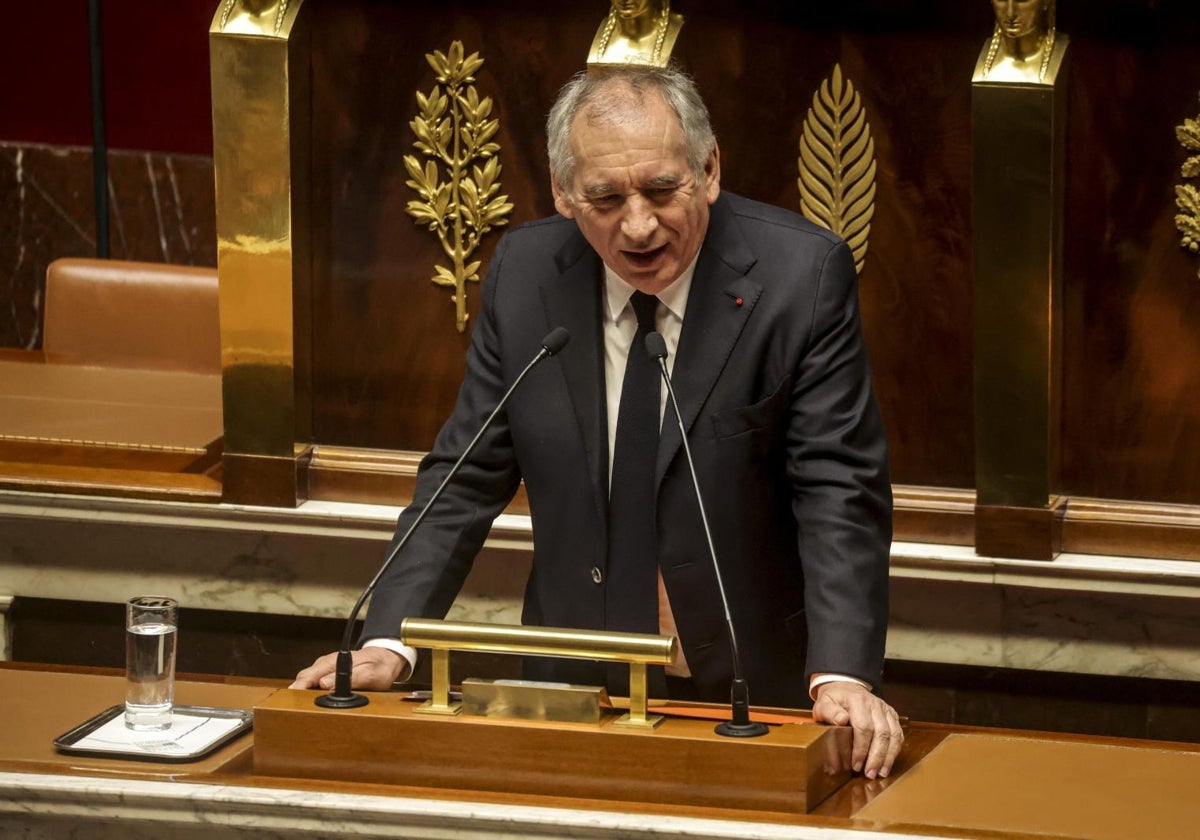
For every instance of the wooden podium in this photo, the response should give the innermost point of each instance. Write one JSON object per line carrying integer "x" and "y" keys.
{"x": 683, "y": 762}
{"x": 305, "y": 772}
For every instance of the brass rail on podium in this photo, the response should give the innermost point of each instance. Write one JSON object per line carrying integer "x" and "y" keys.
{"x": 637, "y": 649}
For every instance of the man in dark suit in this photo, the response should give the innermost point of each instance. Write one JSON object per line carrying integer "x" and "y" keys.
{"x": 760, "y": 315}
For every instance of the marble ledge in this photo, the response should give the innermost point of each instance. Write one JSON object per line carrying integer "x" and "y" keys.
{"x": 51, "y": 806}
{"x": 1071, "y": 572}
{"x": 340, "y": 520}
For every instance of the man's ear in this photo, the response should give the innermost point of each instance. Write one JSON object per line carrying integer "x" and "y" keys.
{"x": 712, "y": 175}
{"x": 562, "y": 201}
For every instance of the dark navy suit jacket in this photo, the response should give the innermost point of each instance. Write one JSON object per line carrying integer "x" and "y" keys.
{"x": 774, "y": 386}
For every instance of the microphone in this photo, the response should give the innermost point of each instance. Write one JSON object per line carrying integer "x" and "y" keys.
{"x": 740, "y": 726}
{"x": 342, "y": 697}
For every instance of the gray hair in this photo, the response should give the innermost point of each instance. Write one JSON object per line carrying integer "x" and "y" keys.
{"x": 599, "y": 93}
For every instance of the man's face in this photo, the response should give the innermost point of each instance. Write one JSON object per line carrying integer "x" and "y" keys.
{"x": 633, "y": 194}
{"x": 1019, "y": 18}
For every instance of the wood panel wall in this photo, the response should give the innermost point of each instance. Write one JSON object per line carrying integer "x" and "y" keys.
{"x": 388, "y": 358}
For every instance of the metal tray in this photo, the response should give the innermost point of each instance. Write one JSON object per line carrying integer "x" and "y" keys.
{"x": 75, "y": 742}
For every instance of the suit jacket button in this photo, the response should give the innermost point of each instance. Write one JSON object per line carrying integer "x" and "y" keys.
{"x": 596, "y": 576}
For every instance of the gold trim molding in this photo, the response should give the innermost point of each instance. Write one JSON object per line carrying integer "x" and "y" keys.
{"x": 1187, "y": 196}
{"x": 454, "y": 133}
{"x": 837, "y": 165}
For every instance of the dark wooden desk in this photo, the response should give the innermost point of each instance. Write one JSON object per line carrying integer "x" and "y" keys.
{"x": 109, "y": 429}
{"x": 949, "y": 782}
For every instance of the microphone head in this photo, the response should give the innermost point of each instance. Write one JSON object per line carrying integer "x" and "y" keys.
{"x": 556, "y": 340}
{"x": 656, "y": 346}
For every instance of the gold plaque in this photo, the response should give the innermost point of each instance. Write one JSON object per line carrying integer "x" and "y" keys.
{"x": 528, "y": 700}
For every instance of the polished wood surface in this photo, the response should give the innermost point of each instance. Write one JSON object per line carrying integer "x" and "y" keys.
{"x": 373, "y": 476}
{"x": 997, "y": 793}
{"x": 40, "y": 705}
{"x": 264, "y": 480}
{"x": 1132, "y": 529}
{"x": 933, "y": 514}
{"x": 108, "y": 429}
{"x": 1047, "y": 788}
{"x": 1025, "y": 533}
{"x": 113, "y": 406}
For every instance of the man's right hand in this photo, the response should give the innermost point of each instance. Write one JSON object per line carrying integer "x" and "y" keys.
{"x": 375, "y": 669}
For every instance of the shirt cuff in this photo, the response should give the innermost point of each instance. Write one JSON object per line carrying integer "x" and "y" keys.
{"x": 821, "y": 679}
{"x": 408, "y": 654}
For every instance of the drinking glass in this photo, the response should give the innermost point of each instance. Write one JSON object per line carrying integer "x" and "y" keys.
{"x": 150, "y": 631}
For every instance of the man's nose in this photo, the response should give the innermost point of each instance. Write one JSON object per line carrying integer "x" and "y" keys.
{"x": 639, "y": 222}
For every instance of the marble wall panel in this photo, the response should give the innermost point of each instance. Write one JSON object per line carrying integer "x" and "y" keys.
{"x": 253, "y": 602}
{"x": 1045, "y": 630}
{"x": 944, "y": 621}
{"x": 161, "y": 209}
{"x": 46, "y": 196}
{"x": 1101, "y": 633}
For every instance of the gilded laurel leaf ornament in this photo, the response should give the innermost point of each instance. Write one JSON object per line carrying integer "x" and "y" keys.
{"x": 456, "y": 173}
{"x": 837, "y": 164}
{"x": 1187, "y": 196}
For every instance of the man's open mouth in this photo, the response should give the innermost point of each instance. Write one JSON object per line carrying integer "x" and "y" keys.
{"x": 645, "y": 258}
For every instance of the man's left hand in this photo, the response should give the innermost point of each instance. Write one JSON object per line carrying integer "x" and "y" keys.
{"x": 877, "y": 733}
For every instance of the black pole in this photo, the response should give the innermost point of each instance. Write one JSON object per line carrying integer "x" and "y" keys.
{"x": 99, "y": 141}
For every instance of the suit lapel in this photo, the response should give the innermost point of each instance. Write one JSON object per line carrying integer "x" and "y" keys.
{"x": 712, "y": 322}
{"x": 572, "y": 300}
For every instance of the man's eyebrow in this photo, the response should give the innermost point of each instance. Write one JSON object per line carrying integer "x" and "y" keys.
{"x": 660, "y": 181}
{"x": 597, "y": 189}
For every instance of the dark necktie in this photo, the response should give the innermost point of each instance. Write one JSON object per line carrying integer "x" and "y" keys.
{"x": 632, "y": 592}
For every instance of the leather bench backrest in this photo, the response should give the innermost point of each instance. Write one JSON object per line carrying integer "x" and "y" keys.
{"x": 133, "y": 314}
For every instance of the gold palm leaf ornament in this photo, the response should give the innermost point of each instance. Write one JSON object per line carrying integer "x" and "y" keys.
{"x": 459, "y": 184}
{"x": 1187, "y": 196}
{"x": 837, "y": 165}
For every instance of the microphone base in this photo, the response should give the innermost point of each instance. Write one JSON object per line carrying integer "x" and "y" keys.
{"x": 335, "y": 701}
{"x": 729, "y": 729}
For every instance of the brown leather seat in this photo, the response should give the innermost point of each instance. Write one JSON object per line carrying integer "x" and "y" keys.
{"x": 133, "y": 314}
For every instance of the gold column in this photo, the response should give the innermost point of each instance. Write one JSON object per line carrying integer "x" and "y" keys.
{"x": 1017, "y": 208}
{"x": 260, "y": 93}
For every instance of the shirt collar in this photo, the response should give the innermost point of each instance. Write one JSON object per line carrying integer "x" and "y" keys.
{"x": 674, "y": 297}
